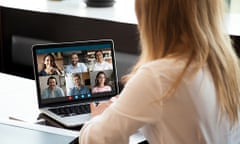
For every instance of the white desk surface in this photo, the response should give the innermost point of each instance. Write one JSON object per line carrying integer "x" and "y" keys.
{"x": 13, "y": 132}
{"x": 122, "y": 11}
{"x": 18, "y": 98}
{"x": 37, "y": 127}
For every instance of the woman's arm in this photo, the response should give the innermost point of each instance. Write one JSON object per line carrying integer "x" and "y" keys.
{"x": 126, "y": 115}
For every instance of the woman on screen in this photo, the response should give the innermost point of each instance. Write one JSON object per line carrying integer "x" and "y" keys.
{"x": 49, "y": 66}
{"x": 100, "y": 63}
{"x": 101, "y": 83}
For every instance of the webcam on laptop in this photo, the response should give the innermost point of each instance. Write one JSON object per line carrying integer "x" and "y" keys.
{"x": 100, "y": 3}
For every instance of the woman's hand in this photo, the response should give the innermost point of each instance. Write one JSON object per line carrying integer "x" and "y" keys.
{"x": 97, "y": 109}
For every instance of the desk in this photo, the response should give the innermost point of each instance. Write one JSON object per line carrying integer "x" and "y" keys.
{"x": 13, "y": 132}
{"x": 19, "y": 100}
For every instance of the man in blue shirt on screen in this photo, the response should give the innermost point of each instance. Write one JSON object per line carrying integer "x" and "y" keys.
{"x": 76, "y": 66}
{"x": 79, "y": 89}
{"x": 52, "y": 91}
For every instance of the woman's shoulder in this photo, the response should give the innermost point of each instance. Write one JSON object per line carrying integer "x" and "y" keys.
{"x": 165, "y": 64}
{"x": 165, "y": 69}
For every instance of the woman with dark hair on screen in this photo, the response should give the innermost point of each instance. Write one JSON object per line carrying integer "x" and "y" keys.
{"x": 49, "y": 66}
{"x": 185, "y": 87}
{"x": 101, "y": 83}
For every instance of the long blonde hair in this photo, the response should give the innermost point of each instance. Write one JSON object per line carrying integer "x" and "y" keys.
{"x": 198, "y": 26}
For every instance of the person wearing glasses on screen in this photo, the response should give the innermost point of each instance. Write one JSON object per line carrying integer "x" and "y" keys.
{"x": 100, "y": 63}
{"x": 76, "y": 66}
{"x": 185, "y": 87}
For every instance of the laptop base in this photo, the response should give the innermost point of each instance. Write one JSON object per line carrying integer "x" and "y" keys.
{"x": 51, "y": 122}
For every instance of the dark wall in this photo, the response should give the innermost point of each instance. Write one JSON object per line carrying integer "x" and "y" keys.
{"x": 236, "y": 44}
{"x": 20, "y": 29}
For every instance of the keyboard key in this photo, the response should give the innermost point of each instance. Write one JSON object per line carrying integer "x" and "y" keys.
{"x": 71, "y": 110}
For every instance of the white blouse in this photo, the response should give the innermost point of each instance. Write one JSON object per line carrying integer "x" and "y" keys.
{"x": 189, "y": 116}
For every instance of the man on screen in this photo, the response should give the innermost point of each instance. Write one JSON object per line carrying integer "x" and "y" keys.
{"x": 52, "y": 91}
{"x": 76, "y": 66}
{"x": 79, "y": 88}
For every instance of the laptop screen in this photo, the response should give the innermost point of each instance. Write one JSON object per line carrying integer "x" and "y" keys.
{"x": 74, "y": 72}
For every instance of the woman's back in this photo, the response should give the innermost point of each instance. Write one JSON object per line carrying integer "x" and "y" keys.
{"x": 184, "y": 89}
{"x": 191, "y": 115}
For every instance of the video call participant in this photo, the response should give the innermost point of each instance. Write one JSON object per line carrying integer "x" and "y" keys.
{"x": 52, "y": 91}
{"x": 49, "y": 66}
{"x": 185, "y": 87}
{"x": 76, "y": 66}
{"x": 78, "y": 89}
{"x": 100, "y": 63}
{"x": 101, "y": 83}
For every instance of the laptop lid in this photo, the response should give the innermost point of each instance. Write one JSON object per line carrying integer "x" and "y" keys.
{"x": 75, "y": 72}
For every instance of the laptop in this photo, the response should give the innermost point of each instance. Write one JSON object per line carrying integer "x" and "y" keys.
{"x": 69, "y": 76}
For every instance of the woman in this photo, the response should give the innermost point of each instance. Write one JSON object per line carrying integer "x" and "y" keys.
{"x": 101, "y": 83}
{"x": 49, "y": 66}
{"x": 184, "y": 88}
{"x": 101, "y": 64}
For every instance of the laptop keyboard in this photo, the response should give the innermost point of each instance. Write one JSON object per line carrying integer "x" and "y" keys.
{"x": 71, "y": 110}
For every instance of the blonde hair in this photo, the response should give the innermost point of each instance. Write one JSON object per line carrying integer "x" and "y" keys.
{"x": 193, "y": 29}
